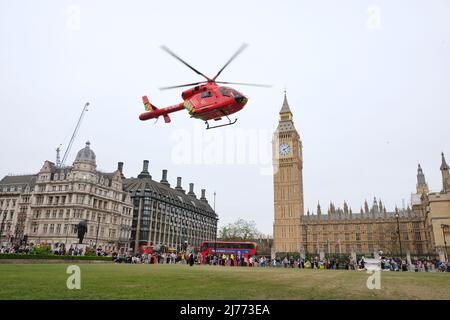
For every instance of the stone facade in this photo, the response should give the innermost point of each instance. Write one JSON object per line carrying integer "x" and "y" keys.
{"x": 168, "y": 216}
{"x": 340, "y": 230}
{"x": 436, "y": 208}
{"x": 288, "y": 183}
{"x": 16, "y": 193}
{"x": 49, "y": 205}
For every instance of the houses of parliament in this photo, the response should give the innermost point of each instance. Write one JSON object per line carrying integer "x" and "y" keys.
{"x": 420, "y": 229}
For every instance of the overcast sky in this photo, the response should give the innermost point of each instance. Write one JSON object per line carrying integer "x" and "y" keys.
{"x": 367, "y": 81}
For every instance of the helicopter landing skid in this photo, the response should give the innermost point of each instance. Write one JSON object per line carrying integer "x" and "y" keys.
{"x": 221, "y": 125}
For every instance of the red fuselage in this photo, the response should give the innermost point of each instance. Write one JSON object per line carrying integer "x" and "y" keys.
{"x": 206, "y": 102}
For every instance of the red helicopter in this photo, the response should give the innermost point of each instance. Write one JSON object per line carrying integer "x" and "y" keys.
{"x": 206, "y": 101}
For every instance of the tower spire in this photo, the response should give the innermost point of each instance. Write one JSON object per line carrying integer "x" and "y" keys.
{"x": 445, "y": 174}
{"x": 444, "y": 165}
{"x": 285, "y": 112}
{"x": 422, "y": 186}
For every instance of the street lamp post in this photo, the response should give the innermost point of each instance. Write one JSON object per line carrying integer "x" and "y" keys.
{"x": 398, "y": 231}
{"x": 445, "y": 226}
{"x": 2, "y": 225}
{"x": 215, "y": 234}
{"x": 306, "y": 242}
{"x": 98, "y": 228}
{"x": 67, "y": 232}
{"x": 215, "y": 247}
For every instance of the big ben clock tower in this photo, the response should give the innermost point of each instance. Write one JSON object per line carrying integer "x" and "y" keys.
{"x": 288, "y": 183}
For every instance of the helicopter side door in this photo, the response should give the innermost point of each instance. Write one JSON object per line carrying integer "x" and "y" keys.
{"x": 204, "y": 100}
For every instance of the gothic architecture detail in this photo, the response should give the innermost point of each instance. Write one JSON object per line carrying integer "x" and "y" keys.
{"x": 288, "y": 183}
{"x": 435, "y": 206}
{"x": 418, "y": 229}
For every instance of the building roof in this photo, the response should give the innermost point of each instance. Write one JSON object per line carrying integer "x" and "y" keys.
{"x": 18, "y": 181}
{"x": 86, "y": 154}
{"x": 285, "y": 108}
{"x": 358, "y": 216}
{"x": 284, "y": 124}
{"x": 160, "y": 189}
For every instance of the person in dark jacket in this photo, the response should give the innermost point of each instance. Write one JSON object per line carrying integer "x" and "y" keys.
{"x": 191, "y": 259}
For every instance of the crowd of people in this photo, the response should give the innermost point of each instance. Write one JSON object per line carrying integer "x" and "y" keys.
{"x": 190, "y": 258}
{"x": 73, "y": 250}
{"x": 225, "y": 260}
{"x": 17, "y": 249}
{"x": 158, "y": 258}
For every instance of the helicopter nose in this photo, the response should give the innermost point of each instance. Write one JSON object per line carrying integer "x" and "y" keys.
{"x": 240, "y": 99}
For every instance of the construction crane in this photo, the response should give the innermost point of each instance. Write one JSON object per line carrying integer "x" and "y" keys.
{"x": 60, "y": 163}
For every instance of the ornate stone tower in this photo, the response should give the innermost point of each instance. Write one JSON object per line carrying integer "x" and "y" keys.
{"x": 445, "y": 175}
{"x": 421, "y": 186}
{"x": 288, "y": 183}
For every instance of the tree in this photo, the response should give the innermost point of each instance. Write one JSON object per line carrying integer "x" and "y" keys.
{"x": 241, "y": 230}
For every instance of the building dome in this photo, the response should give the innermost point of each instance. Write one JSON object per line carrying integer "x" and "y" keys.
{"x": 86, "y": 154}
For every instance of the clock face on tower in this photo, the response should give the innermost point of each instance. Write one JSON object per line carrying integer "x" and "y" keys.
{"x": 285, "y": 149}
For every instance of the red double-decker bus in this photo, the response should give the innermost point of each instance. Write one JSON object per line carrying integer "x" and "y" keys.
{"x": 244, "y": 249}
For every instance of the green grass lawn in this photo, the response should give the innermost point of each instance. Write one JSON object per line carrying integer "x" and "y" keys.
{"x": 126, "y": 281}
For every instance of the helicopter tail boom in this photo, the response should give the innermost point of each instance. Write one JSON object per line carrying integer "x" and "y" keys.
{"x": 153, "y": 112}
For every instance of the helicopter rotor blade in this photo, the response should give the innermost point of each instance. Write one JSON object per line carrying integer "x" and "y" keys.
{"x": 246, "y": 84}
{"x": 241, "y": 48}
{"x": 182, "y": 85}
{"x": 184, "y": 62}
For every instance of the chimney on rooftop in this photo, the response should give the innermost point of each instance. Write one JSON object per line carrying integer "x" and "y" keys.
{"x": 178, "y": 187}
{"x": 145, "y": 173}
{"x": 203, "y": 197}
{"x": 120, "y": 168}
{"x": 191, "y": 190}
{"x": 164, "y": 178}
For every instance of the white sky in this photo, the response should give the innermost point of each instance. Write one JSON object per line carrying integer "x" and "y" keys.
{"x": 368, "y": 83}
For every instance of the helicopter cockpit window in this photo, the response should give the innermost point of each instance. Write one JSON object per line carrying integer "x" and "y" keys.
{"x": 225, "y": 92}
{"x": 206, "y": 94}
{"x": 237, "y": 96}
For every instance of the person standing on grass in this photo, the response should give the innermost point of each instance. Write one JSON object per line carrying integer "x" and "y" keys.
{"x": 307, "y": 265}
{"x": 232, "y": 259}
